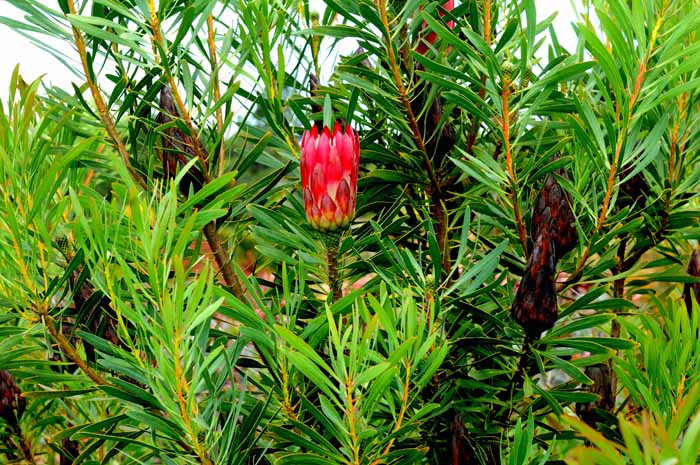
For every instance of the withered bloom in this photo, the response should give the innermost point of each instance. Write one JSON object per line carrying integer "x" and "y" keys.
{"x": 692, "y": 288}
{"x": 535, "y": 304}
{"x": 12, "y": 404}
{"x": 177, "y": 147}
{"x": 553, "y": 213}
{"x": 461, "y": 452}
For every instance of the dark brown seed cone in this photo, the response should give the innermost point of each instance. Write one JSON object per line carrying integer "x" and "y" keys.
{"x": 461, "y": 453}
{"x": 437, "y": 144}
{"x": 632, "y": 190}
{"x": 12, "y": 404}
{"x": 69, "y": 451}
{"x": 601, "y": 375}
{"x": 553, "y": 212}
{"x": 177, "y": 147}
{"x": 535, "y": 304}
{"x": 692, "y": 288}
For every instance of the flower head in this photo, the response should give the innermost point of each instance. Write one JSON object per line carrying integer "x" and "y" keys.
{"x": 329, "y": 165}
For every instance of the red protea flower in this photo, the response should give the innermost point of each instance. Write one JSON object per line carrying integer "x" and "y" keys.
{"x": 329, "y": 164}
{"x": 430, "y": 38}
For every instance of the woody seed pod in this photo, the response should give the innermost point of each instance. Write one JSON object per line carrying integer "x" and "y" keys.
{"x": 600, "y": 375}
{"x": 12, "y": 404}
{"x": 554, "y": 214}
{"x": 535, "y": 304}
{"x": 692, "y": 288}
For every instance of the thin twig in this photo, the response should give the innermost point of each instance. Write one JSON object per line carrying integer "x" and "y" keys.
{"x": 217, "y": 91}
{"x": 221, "y": 255}
{"x": 614, "y": 166}
{"x": 107, "y": 120}
{"x": 435, "y": 190}
{"x": 334, "y": 280}
{"x": 474, "y": 123}
{"x": 403, "y": 96}
{"x": 402, "y": 413}
{"x": 24, "y": 444}
{"x": 222, "y": 258}
{"x": 350, "y": 412}
{"x": 68, "y": 348}
{"x": 182, "y": 390}
{"x": 524, "y": 365}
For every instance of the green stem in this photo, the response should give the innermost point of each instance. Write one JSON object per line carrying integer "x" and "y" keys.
{"x": 332, "y": 246}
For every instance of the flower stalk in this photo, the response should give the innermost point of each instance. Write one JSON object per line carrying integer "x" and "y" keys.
{"x": 335, "y": 282}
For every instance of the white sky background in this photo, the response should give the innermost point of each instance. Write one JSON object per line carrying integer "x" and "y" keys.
{"x": 35, "y": 62}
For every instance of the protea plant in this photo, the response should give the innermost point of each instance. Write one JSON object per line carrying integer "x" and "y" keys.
{"x": 329, "y": 164}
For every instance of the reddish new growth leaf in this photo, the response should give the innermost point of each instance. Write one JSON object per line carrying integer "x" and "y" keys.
{"x": 424, "y": 40}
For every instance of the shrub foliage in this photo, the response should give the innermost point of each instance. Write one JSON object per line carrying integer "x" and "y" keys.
{"x": 510, "y": 291}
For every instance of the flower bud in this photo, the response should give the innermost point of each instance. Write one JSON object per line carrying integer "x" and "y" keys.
{"x": 424, "y": 40}
{"x": 329, "y": 165}
{"x": 535, "y": 304}
{"x": 554, "y": 214}
{"x": 12, "y": 404}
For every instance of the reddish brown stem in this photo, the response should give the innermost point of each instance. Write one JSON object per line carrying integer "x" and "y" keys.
{"x": 522, "y": 233}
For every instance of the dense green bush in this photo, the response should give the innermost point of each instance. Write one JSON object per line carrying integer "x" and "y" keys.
{"x": 513, "y": 289}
